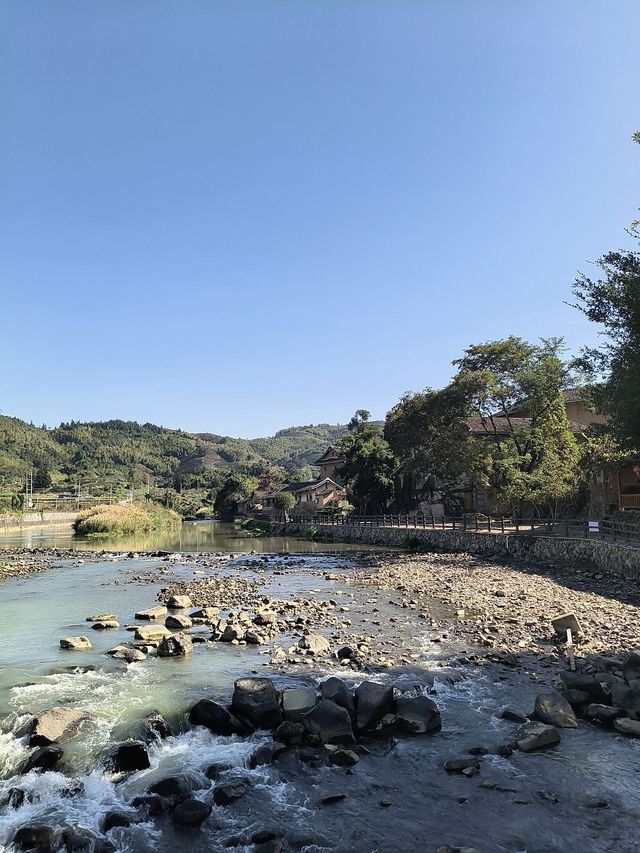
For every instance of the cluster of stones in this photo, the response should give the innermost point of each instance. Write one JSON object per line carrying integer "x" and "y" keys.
{"x": 322, "y": 726}
{"x": 509, "y": 607}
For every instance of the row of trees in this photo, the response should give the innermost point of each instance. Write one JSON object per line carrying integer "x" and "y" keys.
{"x": 529, "y": 456}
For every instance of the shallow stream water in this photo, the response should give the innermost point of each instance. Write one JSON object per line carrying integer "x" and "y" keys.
{"x": 398, "y": 798}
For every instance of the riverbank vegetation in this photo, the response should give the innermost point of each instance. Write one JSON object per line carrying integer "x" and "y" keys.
{"x": 117, "y": 519}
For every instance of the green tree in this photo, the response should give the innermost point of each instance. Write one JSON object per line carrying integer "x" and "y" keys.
{"x": 42, "y": 479}
{"x": 513, "y": 389}
{"x": 369, "y": 465}
{"x": 284, "y": 503}
{"x": 236, "y": 487}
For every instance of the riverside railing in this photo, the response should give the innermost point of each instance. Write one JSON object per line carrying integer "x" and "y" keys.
{"x": 616, "y": 530}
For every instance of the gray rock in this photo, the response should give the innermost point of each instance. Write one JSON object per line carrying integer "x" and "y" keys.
{"x": 178, "y": 645}
{"x": 631, "y": 665}
{"x": 459, "y": 763}
{"x": 56, "y": 725}
{"x": 127, "y": 654}
{"x": 152, "y": 632}
{"x": 105, "y": 624}
{"x": 102, "y": 617}
{"x": 625, "y": 726}
{"x": 191, "y": 811}
{"x": 171, "y": 786}
{"x": 297, "y": 701}
{"x": 257, "y": 700}
{"x": 225, "y": 794}
{"x": 179, "y": 602}
{"x": 373, "y": 701}
{"x": 152, "y": 613}
{"x": 602, "y": 713}
{"x": 44, "y": 758}
{"x": 290, "y": 733}
{"x": 315, "y": 644}
{"x": 576, "y": 698}
{"x": 209, "y": 614}
{"x": 76, "y": 644}
{"x": 537, "y": 736}
{"x": 337, "y": 691}
{"x": 177, "y": 620}
{"x": 514, "y": 716}
{"x": 266, "y": 753}
{"x": 418, "y": 715}
{"x": 343, "y": 758}
{"x": 626, "y": 698}
{"x": 217, "y": 719}
{"x": 329, "y": 722}
{"x": 553, "y": 709}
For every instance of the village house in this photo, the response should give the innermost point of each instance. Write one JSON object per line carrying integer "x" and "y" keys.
{"x": 310, "y": 496}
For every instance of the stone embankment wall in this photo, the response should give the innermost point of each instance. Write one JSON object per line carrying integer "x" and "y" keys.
{"x": 18, "y": 521}
{"x": 605, "y": 556}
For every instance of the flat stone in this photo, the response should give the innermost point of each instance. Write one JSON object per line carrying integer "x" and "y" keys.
{"x": 102, "y": 617}
{"x": 76, "y": 644}
{"x": 152, "y": 613}
{"x": 567, "y": 621}
{"x": 105, "y": 624}
{"x": 537, "y": 736}
{"x": 625, "y": 726}
{"x": 458, "y": 763}
{"x": 56, "y": 725}
{"x": 152, "y": 632}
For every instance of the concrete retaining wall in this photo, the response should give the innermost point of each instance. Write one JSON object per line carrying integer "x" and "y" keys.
{"x": 35, "y": 519}
{"x": 605, "y": 556}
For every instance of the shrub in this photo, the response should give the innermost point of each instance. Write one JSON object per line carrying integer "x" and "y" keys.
{"x": 122, "y": 519}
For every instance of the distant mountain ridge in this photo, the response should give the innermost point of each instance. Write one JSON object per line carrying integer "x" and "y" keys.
{"x": 127, "y": 450}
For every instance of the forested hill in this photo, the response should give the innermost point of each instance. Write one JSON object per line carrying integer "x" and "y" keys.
{"x": 127, "y": 451}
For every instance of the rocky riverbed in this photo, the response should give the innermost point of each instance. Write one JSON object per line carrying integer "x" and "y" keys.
{"x": 372, "y": 702}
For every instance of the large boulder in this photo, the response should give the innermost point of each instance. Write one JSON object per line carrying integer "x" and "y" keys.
{"x": 178, "y": 645}
{"x": 76, "y": 644}
{"x": 179, "y": 602}
{"x": 329, "y": 722}
{"x": 337, "y": 691}
{"x": 257, "y": 700}
{"x": 207, "y": 614}
{"x": 152, "y": 632}
{"x": 44, "y": 758}
{"x": 56, "y": 725}
{"x": 217, "y": 719}
{"x": 537, "y": 736}
{"x": 553, "y": 709}
{"x": 626, "y": 698}
{"x": 373, "y": 701}
{"x": 289, "y": 733}
{"x": 155, "y": 727}
{"x": 191, "y": 812}
{"x": 297, "y": 701}
{"x": 152, "y": 613}
{"x": 602, "y": 713}
{"x": 34, "y": 838}
{"x": 418, "y": 715}
{"x": 631, "y": 665}
{"x": 171, "y": 786}
{"x": 314, "y": 644}
{"x": 129, "y": 757}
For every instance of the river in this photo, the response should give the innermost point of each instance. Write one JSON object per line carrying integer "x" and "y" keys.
{"x": 398, "y": 799}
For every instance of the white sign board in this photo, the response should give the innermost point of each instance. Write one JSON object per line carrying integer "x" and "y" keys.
{"x": 594, "y": 527}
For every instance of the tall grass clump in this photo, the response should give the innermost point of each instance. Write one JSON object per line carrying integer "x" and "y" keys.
{"x": 123, "y": 519}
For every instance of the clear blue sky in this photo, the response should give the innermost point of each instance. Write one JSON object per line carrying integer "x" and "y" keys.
{"x": 236, "y": 216}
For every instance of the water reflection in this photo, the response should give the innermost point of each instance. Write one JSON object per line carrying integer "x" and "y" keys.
{"x": 203, "y": 536}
